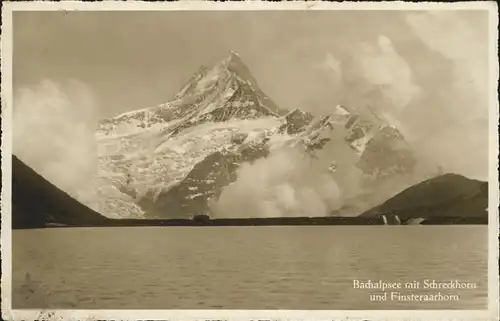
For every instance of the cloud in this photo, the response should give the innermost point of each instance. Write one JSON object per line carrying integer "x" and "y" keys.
{"x": 459, "y": 108}
{"x": 53, "y": 132}
{"x": 459, "y": 37}
{"x": 285, "y": 184}
{"x": 333, "y": 67}
{"x": 381, "y": 66}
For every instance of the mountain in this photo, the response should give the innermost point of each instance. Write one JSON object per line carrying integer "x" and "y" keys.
{"x": 174, "y": 159}
{"x": 225, "y": 91}
{"x": 147, "y": 152}
{"x": 448, "y": 195}
{"x": 37, "y": 203}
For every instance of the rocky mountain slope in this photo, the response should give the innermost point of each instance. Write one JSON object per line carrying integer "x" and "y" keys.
{"x": 448, "y": 195}
{"x": 173, "y": 160}
{"x": 37, "y": 203}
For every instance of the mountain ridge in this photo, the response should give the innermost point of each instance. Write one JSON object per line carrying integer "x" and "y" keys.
{"x": 447, "y": 195}
{"x": 221, "y": 110}
{"x": 198, "y": 97}
{"x": 36, "y": 202}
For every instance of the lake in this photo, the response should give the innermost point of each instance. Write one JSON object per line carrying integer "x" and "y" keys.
{"x": 285, "y": 267}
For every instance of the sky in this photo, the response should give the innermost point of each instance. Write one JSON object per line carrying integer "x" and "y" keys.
{"x": 426, "y": 71}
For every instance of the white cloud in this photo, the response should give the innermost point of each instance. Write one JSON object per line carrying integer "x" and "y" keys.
{"x": 382, "y": 66}
{"x": 461, "y": 144}
{"x": 53, "y": 132}
{"x": 332, "y": 65}
{"x": 462, "y": 40}
{"x": 287, "y": 183}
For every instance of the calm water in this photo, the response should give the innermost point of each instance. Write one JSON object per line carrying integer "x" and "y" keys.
{"x": 243, "y": 267}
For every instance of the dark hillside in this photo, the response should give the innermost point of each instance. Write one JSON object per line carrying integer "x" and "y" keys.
{"x": 36, "y": 202}
{"x": 449, "y": 195}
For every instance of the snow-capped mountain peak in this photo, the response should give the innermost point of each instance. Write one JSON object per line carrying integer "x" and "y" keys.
{"x": 175, "y": 158}
{"x": 226, "y": 90}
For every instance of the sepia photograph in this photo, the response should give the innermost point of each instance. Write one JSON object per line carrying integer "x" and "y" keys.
{"x": 253, "y": 156}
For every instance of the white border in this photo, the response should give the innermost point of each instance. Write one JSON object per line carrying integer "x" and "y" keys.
{"x": 244, "y": 5}
{"x": 7, "y": 99}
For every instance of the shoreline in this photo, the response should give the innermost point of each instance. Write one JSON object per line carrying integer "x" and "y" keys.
{"x": 280, "y": 221}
